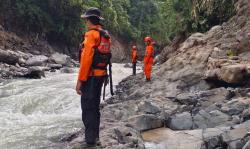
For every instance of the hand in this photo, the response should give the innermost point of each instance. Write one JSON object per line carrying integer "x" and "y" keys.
{"x": 78, "y": 87}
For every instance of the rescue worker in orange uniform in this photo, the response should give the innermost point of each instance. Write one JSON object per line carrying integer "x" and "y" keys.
{"x": 134, "y": 59}
{"x": 90, "y": 81}
{"x": 148, "y": 58}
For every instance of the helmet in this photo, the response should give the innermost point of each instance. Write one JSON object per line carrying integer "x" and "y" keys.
{"x": 148, "y": 39}
{"x": 134, "y": 47}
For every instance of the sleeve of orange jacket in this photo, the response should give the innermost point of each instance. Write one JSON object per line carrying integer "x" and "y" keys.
{"x": 87, "y": 55}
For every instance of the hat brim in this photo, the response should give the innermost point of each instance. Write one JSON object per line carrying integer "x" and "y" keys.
{"x": 87, "y": 16}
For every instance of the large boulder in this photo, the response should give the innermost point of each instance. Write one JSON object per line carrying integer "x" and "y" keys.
{"x": 233, "y": 73}
{"x": 34, "y": 73}
{"x": 60, "y": 59}
{"x": 181, "y": 121}
{"x": 9, "y": 57}
{"x": 145, "y": 122}
{"x": 38, "y": 60}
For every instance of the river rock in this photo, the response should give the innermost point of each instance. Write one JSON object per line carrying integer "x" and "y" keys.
{"x": 145, "y": 122}
{"x": 35, "y": 73}
{"x": 181, "y": 121}
{"x": 67, "y": 70}
{"x": 55, "y": 66}
{"x": 38, "y": 60}
{"x": 60, "y": 59}
{"x": 9, "y": 57}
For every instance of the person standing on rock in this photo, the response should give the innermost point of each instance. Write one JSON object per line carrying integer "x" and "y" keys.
{"x": 134, "y": 59}
{"x": 148, "y": 58}
{"x": 92, "y": 74}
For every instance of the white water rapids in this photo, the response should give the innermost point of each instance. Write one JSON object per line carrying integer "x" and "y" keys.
{"x": 33, "y": 113}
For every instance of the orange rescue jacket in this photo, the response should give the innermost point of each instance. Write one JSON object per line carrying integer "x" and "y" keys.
{"x": 91, "y": 40}
{"x": 134, "y": 55}
{"x": 149, "y": 54}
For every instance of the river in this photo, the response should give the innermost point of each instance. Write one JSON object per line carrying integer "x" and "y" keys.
{"x": 34, "y": 113}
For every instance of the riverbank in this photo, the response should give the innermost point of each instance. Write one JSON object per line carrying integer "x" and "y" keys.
{"x": 39, "y": 113}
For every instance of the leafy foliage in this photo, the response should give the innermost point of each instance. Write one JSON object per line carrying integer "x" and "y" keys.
{"x": 59, "y": 20}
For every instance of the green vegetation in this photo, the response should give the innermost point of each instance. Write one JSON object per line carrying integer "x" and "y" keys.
{"x": 59, "y": 21}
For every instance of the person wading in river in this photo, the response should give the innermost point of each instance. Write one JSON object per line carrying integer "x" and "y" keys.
{"x": 148, "y": 58}
{"x": 134, "y": 58}
{"x": 95, "y": 57}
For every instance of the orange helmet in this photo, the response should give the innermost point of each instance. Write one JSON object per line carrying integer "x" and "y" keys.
{"x": 148, "y": 39}
{"x": 134, "y": 47}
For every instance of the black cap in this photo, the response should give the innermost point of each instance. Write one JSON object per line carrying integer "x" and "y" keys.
{"x": 92, "y": 12}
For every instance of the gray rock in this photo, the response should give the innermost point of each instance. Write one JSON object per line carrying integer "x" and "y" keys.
{"x": 55, "y": 66}
{"x": 61, "y": 59}
{"x": 236, "y": 106}
{"x": 238, "y": 144}
{"x": 247, "y": 145}
{"x": 211, "y": 119}
{"x": 212, "y": 142}
{"x": 187, "y": 98}
{"x": 9, "y": 57}
{"x": 181, "y": 121}
{"x": 38, "y": 60}
{"x": 234, "y": 135}
{"x": 67, "y": 70}
{"x": 148, "y": 108}
{"x": 145, "y": 122}
{"x": 35, "y": 73}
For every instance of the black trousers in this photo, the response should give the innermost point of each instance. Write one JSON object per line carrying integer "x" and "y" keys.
{"x": 90, "y": 104}
{"x": 134, "y": 68}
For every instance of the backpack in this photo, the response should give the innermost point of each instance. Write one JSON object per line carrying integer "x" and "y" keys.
{"x": 102, "y": 53}
{"x": 102, "y": 58}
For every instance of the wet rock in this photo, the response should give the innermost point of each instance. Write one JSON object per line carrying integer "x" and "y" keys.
{"x": 145, "y": 122}
{"x": 181, "y": 121}
{"x": 61, "y": 59}
{"x": 67, "y": 70}
{"x": 55, "y": 66}
{"x": 34, "y": 73}
{"x": 38, "y": 60}
{"x": 148, "y": 108}
{"x": 127, "y": 65}
{"x": 9, "y": 57}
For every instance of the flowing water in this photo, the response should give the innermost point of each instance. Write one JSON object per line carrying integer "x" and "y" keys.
{"x": 35, "y": 113}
